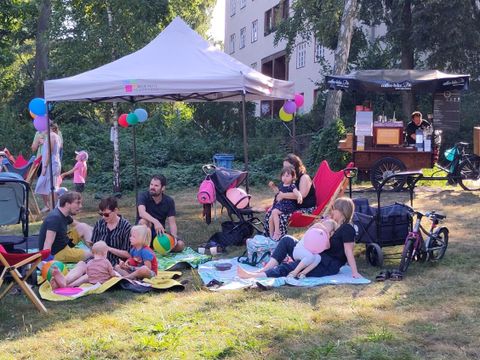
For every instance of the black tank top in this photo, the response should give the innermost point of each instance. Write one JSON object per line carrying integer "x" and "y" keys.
{"x": 310, "y": 200}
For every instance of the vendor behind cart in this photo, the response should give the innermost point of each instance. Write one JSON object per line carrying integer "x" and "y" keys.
{"x": 414, "y": 125}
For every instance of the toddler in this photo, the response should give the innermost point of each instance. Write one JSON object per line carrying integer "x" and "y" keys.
{"x": 308, "y": 249}
{"x": 97, "y": 270}
{"x": 283, "y": 206}
{"x": 79, "y": 171}
{"x": 141, "y": 261}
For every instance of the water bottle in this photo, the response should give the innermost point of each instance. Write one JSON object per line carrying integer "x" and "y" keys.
{"x": 419, "y": 139}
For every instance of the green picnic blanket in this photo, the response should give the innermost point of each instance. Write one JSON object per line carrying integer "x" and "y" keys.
{"x": 187, "y": 258}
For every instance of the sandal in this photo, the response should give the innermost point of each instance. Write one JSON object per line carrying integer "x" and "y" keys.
{"x": 384, "y": 275}
{"x": 396, "y": 275}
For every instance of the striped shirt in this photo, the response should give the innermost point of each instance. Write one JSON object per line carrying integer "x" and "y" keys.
{"x": 118, "y": 238}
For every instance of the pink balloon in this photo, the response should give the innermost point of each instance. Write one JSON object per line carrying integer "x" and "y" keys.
{"x": 40, "y": 123}
{"x": 316, "y": 240}
{"x": 238, "y": 197}
{"x": 289, "y": 107}
{"x": 299, "y": 100}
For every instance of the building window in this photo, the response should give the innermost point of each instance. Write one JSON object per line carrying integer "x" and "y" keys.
{"x": 275, "y": 15}
{"x": 254, "y": 31}
{"x": 319, "y": 51}
{"x": 243, "y": 37}
{"x": 232, "y": 43}
{"x": 243, "y": 3}
{"x": 233, "y": 7}
{"x": 301, "y": 54}
{"x": 254, "y": 66}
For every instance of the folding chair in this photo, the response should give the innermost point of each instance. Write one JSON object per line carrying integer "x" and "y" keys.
{"x": 329, "y": 185}
{"x": 11, "y": 266}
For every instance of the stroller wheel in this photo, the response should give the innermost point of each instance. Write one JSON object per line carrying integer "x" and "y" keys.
{"x": 374, "y": 254}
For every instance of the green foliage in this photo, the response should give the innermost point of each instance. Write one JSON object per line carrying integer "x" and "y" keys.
{"x": 324, "y": 146}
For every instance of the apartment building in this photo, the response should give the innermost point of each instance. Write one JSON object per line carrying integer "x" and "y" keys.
{"x": 249, "y": 35}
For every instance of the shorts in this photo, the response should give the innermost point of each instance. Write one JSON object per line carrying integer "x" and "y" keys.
{"x": 69, "y": 253}
{"x": 79, "y": 187}
{"x": 134, "y": 268}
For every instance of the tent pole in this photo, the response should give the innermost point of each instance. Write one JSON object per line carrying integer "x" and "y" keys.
{"x": 294, "y": 135}
{"x": 135, "y": 168}
{"x": 50, "y": 165}
{"x": 245, "y": 148}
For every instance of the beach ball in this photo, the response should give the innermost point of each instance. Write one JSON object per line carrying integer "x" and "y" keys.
{"x": 238, "y": 197}
{"x": 49, "y": 266}
{"x": 164, "y": 243}
{"x": 316, "y": 240}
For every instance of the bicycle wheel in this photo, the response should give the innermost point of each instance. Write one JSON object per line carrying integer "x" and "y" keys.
{"x": 437, "y": 244}
{"x": 469, "y": 173}
{"x": 407, "y": 255}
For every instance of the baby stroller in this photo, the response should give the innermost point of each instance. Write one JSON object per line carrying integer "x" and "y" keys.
{"x": 384, "y": 225}
{"x": 226, "y": 182}
{"x": 14, "y": 191}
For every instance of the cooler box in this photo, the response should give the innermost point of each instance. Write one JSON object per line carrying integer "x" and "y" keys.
{"x": 223, "y": 160}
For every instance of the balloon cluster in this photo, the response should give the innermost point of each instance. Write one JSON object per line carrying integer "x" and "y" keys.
{"x": 288, "y": 109}
{"x": 38, "y": 112}
{"x": 138, "y": 116}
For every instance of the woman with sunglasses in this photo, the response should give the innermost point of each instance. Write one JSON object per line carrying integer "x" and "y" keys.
{"x": 112, "y": 228}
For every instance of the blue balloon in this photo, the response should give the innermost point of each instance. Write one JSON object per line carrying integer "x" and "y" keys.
{"x": 142, "y": 114}
{"x": 38, "y": 106}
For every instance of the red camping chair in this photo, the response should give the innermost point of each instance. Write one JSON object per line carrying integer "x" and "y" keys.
{"x": 11, "y": 263}
{"x": 22, "y": 170}
{"x": 328, "y": 186}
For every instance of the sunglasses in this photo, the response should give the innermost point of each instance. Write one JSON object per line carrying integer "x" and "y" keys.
{"x": 104, "y": 214}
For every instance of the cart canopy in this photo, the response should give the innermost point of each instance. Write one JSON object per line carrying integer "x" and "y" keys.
{"x": 396, "y": 81}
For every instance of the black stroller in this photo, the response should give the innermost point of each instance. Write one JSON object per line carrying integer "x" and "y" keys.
{"x": 14, "y": 191}
{"x": 383, "y": 226}
{"x": 242, "y": 217}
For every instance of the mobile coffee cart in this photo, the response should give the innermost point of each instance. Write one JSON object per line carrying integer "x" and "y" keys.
{"x": 378, "y": 144}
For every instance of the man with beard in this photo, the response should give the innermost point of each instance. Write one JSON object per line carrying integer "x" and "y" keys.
{"x": 155, "y": 209}
{"x": 54, "y": 233}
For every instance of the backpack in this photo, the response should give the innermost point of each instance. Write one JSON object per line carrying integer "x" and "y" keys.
{"x": 206, "y": 192}
{"x": 259, "y": 251}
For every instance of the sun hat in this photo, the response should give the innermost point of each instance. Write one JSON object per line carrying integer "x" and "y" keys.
{"x": 83, "y": 155}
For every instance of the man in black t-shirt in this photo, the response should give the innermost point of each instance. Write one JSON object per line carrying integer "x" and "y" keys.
{"x": 416, "y": 123}
{"x": 54, "y": 233}
{"x": 156, "y": 209}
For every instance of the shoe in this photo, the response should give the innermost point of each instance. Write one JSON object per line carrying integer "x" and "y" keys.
{"x": 384, "y": 275}
{"x": 396, "y": 275}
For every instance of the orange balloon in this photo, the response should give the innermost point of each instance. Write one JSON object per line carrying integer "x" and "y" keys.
{"x": 32, "y": 115}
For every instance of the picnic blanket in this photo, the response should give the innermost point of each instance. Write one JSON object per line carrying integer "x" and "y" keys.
{"x": 187, "y": 258}
{"x": 163, "y": 281}
{"x": 228, "y": 280}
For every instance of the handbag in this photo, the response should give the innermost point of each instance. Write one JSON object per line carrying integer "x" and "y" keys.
{"x": 259, "y": 250}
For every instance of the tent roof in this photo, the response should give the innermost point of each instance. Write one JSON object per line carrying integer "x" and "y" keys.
{"x": 391, "y": 81}
{"x": 178, "y": 65}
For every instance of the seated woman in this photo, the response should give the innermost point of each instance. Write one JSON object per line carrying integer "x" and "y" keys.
{"x": 339, "y": 253}
{"x": 304, "y": 184}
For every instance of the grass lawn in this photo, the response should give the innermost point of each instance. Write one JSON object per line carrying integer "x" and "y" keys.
{"x": 434, "y": 313}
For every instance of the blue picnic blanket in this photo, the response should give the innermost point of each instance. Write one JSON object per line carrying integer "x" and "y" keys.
{"x": 228, "y": 280}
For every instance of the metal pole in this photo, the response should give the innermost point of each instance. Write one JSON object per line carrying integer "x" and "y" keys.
{"x": 135, "y": 166}
{"x": 245, "y": 144}
{"x": 294, "y": 135}
{"x": 49, "y": 153}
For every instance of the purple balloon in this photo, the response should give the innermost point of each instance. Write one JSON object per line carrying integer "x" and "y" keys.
{"x": 40, "y": 123}
{"x": 289, "y": 107}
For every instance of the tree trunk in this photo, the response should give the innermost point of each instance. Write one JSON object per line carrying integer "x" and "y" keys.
{"x": 334, "y": 99}
{"x": 407, "y": 60}
{"x": 41, "y": 46}
{"x": 116, "y": 147}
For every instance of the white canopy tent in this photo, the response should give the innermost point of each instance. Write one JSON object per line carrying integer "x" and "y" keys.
{"x": 178, "y": 65}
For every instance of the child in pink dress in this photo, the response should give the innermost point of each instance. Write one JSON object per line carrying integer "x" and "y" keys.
{"x": 79, "y": 171}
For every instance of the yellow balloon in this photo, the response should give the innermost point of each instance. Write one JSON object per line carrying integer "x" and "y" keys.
{"x": 284, "y": 116}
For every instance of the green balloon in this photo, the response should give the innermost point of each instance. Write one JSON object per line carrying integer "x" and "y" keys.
{"x": 132, "y": 119}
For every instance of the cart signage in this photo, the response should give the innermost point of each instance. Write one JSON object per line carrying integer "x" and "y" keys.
{"x": 446, "y": 110}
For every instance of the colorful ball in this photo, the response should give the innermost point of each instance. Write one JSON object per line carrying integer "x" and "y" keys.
{"x": 238, "y": 197}
{"x": 49, "y": 266}
{"x": 316, "y": 240}
{"x": 164, "y": 243}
